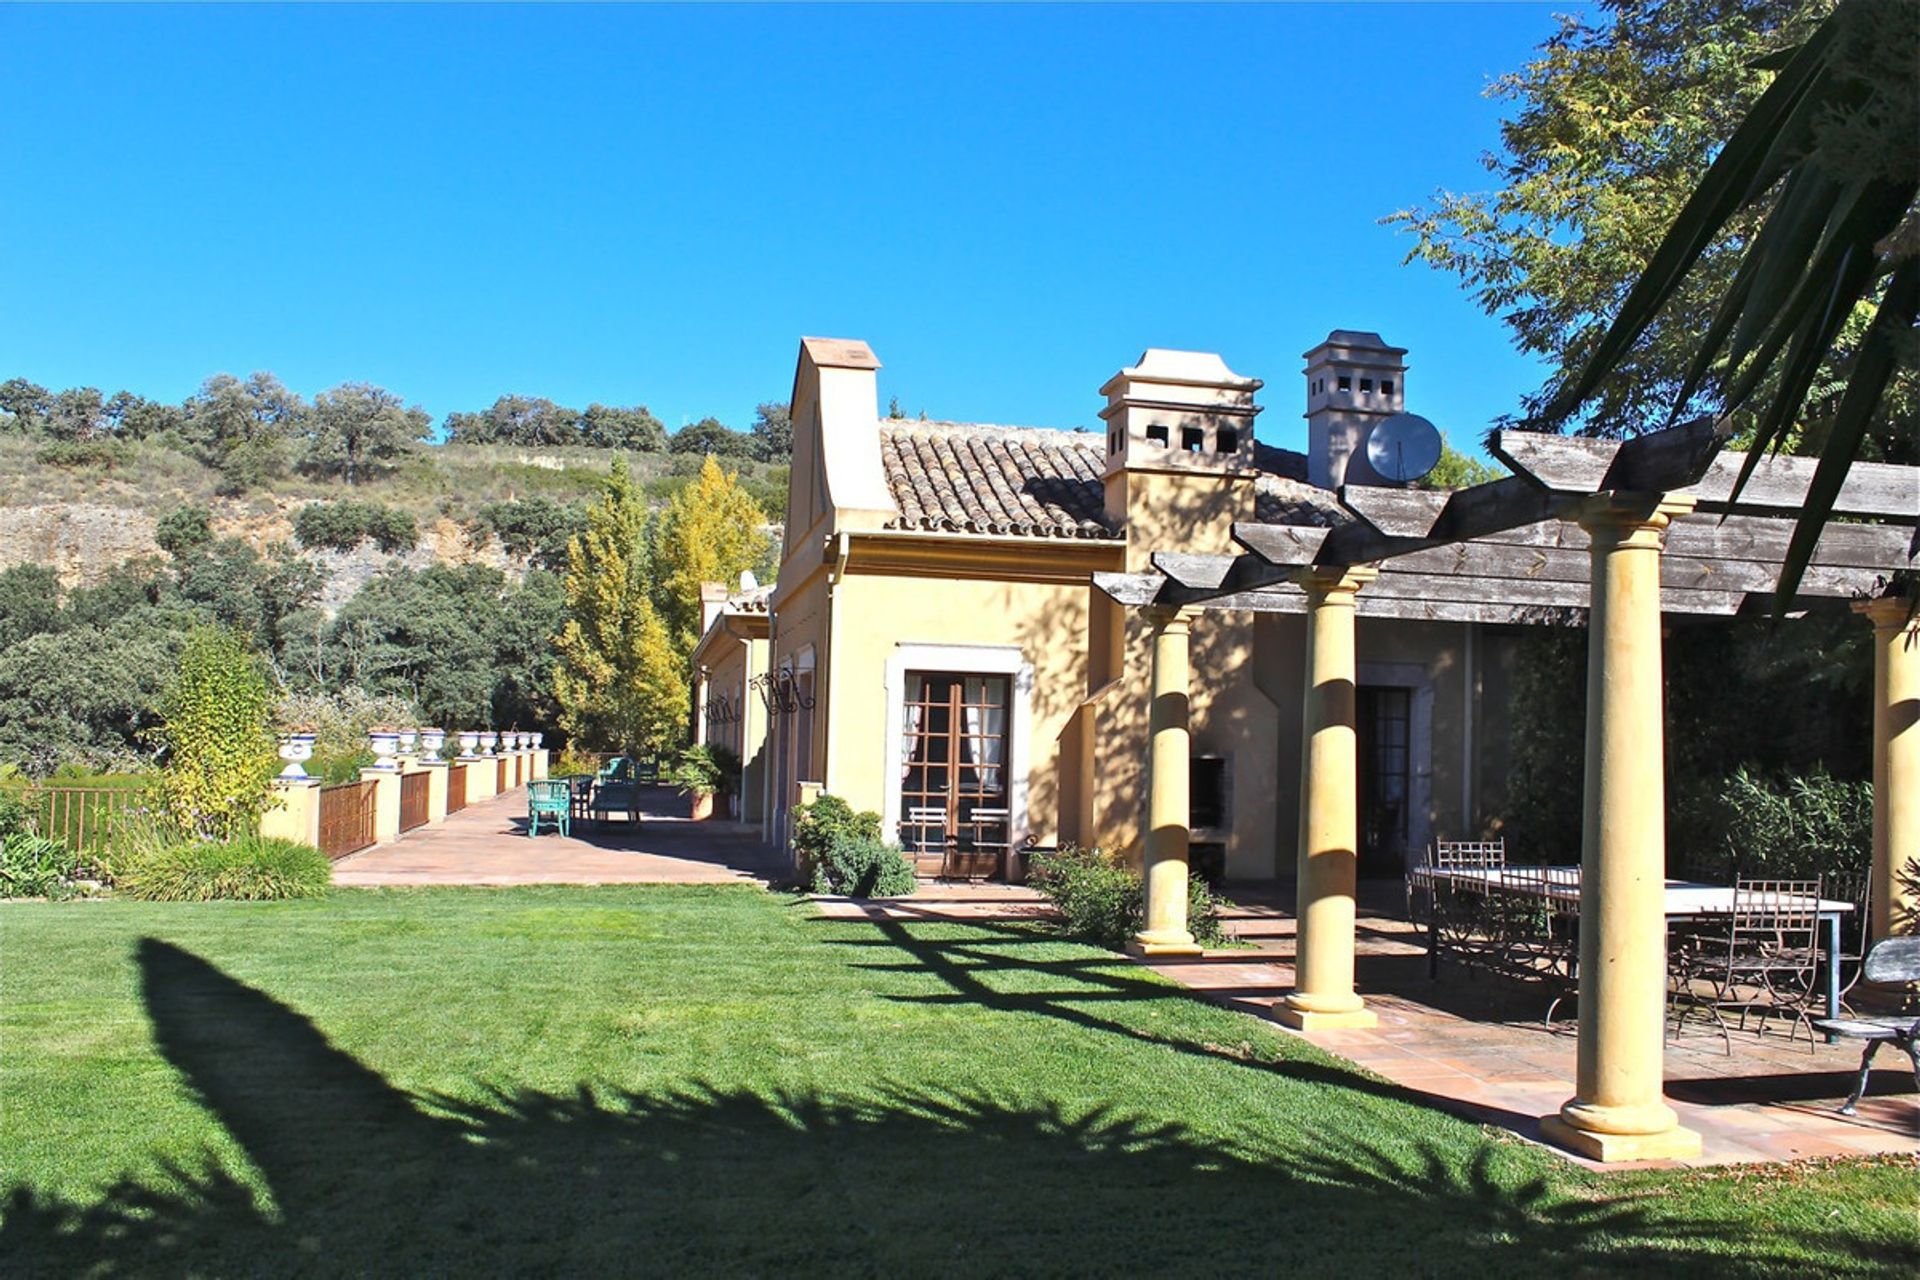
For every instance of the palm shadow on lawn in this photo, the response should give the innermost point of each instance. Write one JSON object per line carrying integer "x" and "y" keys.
{"x": 365, "y": 1177}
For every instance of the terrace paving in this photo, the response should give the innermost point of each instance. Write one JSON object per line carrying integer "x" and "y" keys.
{"x": 1475, "y": 1046}
{"x": 487, "y": 844}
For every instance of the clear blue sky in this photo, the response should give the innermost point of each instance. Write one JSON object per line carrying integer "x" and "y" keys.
{"x": 653, "y": 204}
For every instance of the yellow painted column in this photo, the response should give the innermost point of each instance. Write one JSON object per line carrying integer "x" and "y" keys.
{"x": 1896, "y": 766}
{"x": 1169, "y": 756}
{"x": 436, "y": 791}
{"x": 1323, "y": 996}
{"x": 1617, "y": 1111}
{"x": 386, "y": 803}
{"x": 294, "y": 813}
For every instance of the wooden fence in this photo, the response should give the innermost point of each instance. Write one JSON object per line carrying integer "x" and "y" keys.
{"x": 503, "y": 765}
{"x": 413, "y": 800}
{"x": 456, "y": 787}
{"x": 346, "y": 818}
{"x": 84, "y": 818}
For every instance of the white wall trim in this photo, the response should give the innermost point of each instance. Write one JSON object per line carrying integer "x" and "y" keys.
{"x": 969, "y": 659}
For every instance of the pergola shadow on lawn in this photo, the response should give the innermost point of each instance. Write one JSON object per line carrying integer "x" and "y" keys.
{"x": 366, "y": 1177}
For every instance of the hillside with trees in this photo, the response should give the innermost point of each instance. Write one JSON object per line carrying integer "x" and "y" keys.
{"x": 381, "y": 570}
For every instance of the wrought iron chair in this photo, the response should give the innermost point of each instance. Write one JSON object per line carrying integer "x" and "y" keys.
{"x": 923, "y": 831}
{"x": 1762, "y": 959}
{"x": 1460, "y": 905}
{"x": 1855, "y": 887}
{"x": 552, "y": 800}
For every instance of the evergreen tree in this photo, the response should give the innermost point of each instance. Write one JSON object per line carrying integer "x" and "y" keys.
{"x": 620, "y": 681}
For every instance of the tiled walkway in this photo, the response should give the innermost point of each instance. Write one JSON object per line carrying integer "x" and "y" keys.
{"x": 487, "y": 844}
{"x": 1476, "y": 1047}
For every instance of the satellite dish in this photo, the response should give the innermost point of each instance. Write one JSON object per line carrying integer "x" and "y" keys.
{"x": 1403, "y": 448}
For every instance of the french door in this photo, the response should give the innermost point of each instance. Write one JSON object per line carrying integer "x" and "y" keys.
{"x": 1384, "y": 721}
{"x": 954, "y": 819}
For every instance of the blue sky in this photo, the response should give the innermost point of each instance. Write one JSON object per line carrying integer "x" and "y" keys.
{"x": 653, "y": 204}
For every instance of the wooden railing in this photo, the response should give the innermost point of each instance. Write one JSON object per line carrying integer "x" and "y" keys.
{"x": 346, "y": 818}
{"x": 456, "y": 787}
{"x": 83, "y": 817}
{"x": 413, "y": 800}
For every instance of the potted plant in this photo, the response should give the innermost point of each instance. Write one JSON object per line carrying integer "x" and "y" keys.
{"x": 385, "y": 741}
{"x": 296, "y": 748}
{"x": 703, "y": 772}
{"x": 469, "y": 743}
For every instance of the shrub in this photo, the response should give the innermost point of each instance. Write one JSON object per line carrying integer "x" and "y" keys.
{"x": 251, "y": 868}
{"x": 1103, "y": 900}
{"x": 221, "y": 756}
{"x": 864, "y": 868}
{"x": 105, "y": 454}
{"x": 840, "y": 851}
{"x": 344, "y": 525}
{"x": 708, "y": 769}
{"x": 1779, "y": 825}
{"x": 13, "y": 816}
{"x": 32, "y": 866}
{"x": 183, "y": 529}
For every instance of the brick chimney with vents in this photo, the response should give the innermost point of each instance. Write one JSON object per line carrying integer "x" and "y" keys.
{"x": 1354, "y": 382}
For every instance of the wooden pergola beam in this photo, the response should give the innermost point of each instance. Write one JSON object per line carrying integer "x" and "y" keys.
{"x": 1571, "y": 464}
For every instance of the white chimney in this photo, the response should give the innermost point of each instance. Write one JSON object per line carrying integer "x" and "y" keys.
{"x": 1354, "y": 381}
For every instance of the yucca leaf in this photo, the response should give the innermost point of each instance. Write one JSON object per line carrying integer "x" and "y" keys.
{"x": 1899, "y": 306}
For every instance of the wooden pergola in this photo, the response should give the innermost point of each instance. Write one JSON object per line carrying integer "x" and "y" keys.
{"x": 1624, "y": 533}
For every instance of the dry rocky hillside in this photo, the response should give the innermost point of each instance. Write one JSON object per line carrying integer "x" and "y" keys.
{"x": 86, "y": 521}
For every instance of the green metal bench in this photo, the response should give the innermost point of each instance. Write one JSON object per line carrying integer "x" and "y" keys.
{"x": 1891, "y": 962}
{"x": 552, "y": 800}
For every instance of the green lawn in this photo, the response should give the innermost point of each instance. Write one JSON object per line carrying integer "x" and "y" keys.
{"x": 699, "y": 1080}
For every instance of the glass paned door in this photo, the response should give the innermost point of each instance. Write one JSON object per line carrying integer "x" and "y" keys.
{"x": 1385, "y": 724}
{"x": 954, "y": 819}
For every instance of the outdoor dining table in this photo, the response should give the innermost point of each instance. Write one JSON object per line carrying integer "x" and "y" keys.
{"x": 1684, "y": 900}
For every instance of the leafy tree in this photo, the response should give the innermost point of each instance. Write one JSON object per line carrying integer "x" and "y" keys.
{"x": 710, "y": 435}
{"x": 1609, "y": 127}
{"x": 536, "y": 529}
{"x": 523, "y": 420}
{"x": 134, "y": 417}
{"x": 357, "y": 428}
{"x": 438, "y": 637}
{"x": 78, "y": 414}
{"x": 1818, "y": 319}
{"x": 607, "y": 427}
{"x": 1457, "y": 470}
{"x": 219, "y": 737}
{"x": 344, "y": 525}
{"x": 772, "y": 431}
{"x": 183, "y": 529}
{"x": 619, "y": 681}
{"x": 710, "y": 531}
{"x": 230, "y": 584}
{"x": 85, "y": 695}
{"x": 242, "y": 429}
{"x": 29, "y": 602}
{"x": 24, "y": 405}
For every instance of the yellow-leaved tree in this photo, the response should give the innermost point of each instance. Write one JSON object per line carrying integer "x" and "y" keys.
{"x": 219, "y": 737}
{"x": 620, "y": 679}
{"x": 711, "y": 531}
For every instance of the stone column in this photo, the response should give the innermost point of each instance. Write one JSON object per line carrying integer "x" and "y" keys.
{"x": 1896, "y": 766}
{"x": 541, "y": 757}
{"x": 1617, "y": 1111}
{"x": 1323, "y": 996}
{"x": 386, "y": 803}
{"x": 482, "y": 773}
{"x": 294, "y": 813}
{"x": 1169, "y": 756}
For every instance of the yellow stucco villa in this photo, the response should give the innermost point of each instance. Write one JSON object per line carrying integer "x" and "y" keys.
{"x": 934, "y": 648}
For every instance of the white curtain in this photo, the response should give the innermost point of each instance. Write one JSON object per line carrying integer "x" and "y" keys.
{"x": 986, "y": 727}
{"x": 910, "y": 735}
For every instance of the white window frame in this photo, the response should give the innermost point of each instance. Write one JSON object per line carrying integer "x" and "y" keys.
{"x": 972, "y": 660}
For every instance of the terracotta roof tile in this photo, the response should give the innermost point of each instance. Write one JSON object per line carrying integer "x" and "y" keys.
{"x": 963, "y": 477}
{"x": 960, "y": 477}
